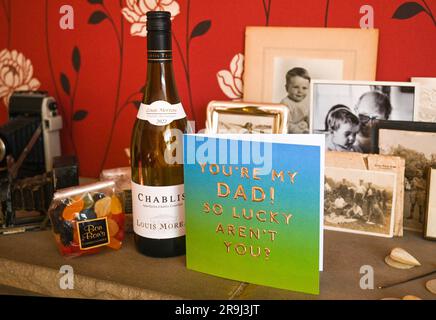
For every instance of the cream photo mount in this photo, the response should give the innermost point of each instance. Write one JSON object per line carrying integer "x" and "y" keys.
{"x": 354, "y": 49}
{"x": 246, "y": 117}
{"x": 426, "y": 111}
{"x": 430, "y": 214}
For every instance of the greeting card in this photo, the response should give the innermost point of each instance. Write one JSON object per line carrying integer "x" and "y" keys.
{"x": 253, "y": 208}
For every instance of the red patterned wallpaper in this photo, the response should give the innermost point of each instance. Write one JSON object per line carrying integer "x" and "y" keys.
{"x": 96, "y": 70}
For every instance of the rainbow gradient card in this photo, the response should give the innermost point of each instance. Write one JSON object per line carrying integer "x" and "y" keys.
{"x": 253, "y": 207}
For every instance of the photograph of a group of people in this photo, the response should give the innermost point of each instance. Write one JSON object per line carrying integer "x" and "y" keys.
{"x": 419, "y": 151}
{"x": 346, "y": 112}
{"x": 359, "y": 201}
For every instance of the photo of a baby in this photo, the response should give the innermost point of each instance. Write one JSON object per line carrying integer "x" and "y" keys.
{"x": 291, "y": 86}
{"x": 347, "y": 111}
{"x": 297, "y": 86}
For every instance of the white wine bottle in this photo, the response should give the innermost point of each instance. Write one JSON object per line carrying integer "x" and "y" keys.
{"x": 157, "y": 179}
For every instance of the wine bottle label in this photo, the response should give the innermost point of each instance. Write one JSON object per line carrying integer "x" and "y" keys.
{"x": 158, "y": 212}
{"x": 161, "y": 113}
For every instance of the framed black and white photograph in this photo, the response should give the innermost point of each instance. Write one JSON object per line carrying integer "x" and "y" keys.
{"x": 415, "y": 142}
{"x": 346, "y": 110}
{"x": 281, "y": 62}
{"x": 291, "y": 85}
{"x": 359, "y": 201}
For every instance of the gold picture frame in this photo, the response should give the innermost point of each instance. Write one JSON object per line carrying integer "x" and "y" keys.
{"x": 246, "y": 117}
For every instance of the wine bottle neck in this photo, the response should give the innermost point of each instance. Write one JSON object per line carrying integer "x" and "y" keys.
{"x": 160, "y": 75}
{"x": 159, "y": 40}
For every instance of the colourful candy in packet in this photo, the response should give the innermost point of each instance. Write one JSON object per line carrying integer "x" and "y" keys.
{"x": 87, "y": 218}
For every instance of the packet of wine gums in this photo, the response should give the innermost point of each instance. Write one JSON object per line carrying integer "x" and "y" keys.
{"x": 123, "y": 185}
{"x": 87, "y": 218}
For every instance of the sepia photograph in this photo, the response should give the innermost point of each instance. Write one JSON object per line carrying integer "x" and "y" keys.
{"x": 375, "y": 162}
{"x": 237, "y": 117}
{"x": 346, "y": 111}
{"x": 291, "y": 86}
{"x": 406, "y": 140}
{"x": 232, "y": 123}
{"x": 359, "y": 201}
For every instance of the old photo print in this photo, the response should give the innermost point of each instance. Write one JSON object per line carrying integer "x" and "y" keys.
{"x": 419, "y": 151}
{"x": 359, "y": 201}
{"x": 291, "y": 86}
{"x": 245, "y": 124}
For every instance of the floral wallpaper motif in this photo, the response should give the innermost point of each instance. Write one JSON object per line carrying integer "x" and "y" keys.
{"x": 136, "y": 10}
{"x": 410, "y": 9}
{"x": 231, "y": 82}
{"x": 96, "y": 72}
{"x": 16, "y": 74}
{"x": 135, "y": 13}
